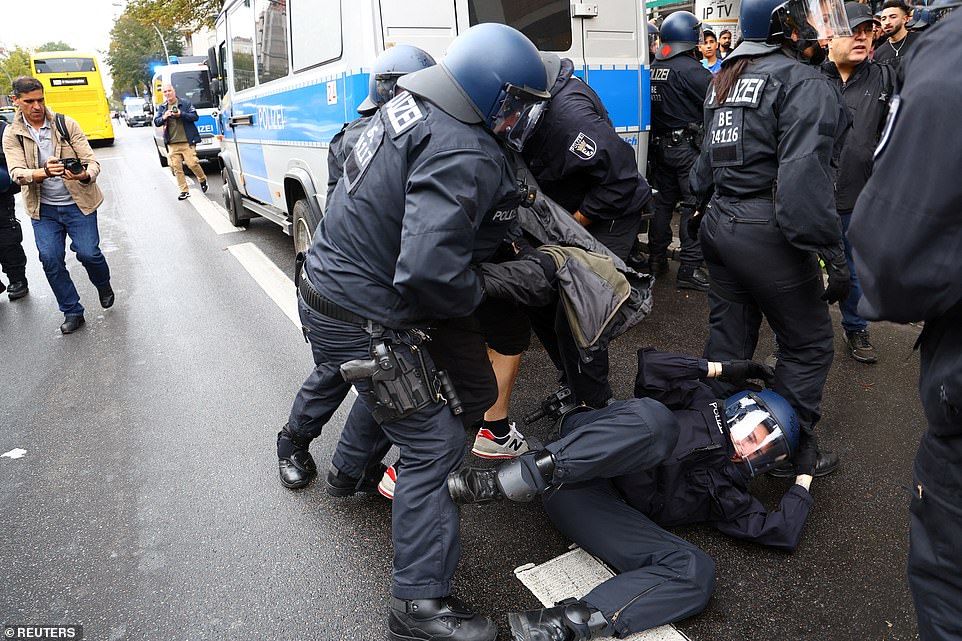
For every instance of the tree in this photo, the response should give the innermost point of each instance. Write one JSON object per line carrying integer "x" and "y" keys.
{"x": 134, "y": 49}
{"x": 187, "y": 15}
{"x": 55, "y": 45}
{"x": 15, "y": 62}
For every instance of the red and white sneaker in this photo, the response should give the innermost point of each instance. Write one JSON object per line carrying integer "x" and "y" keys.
{"x": 487, "y": 445}
{"x": 388, "y": 481}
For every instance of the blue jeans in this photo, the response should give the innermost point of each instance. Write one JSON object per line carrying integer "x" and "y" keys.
{"x": 851, "y": 321}
{"x": 50, "y": 232}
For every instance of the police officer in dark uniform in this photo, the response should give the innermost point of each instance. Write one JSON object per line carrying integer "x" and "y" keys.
{"x": 389, "y": 66}
{"x": 772, "y": 125}
{"x": 581, "y": 163}
{"x": 390, "y": 266}
{"x": 12, "y": 257}
{"x": 906, "y": 239}
{"x": 679, "y": 84}
{"x": 676, "y": 455}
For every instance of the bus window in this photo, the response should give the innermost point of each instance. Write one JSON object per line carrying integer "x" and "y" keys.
{"x": 242, "y": 45}
{"x": 546, "y": 22}
{"x": 194, "y": 86}
{"x": 64, "y": 65}
{"x": 315, "y": 41}
{"x": 271, "y": 21}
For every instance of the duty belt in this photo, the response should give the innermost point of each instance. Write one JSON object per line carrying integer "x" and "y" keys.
{"x": 674, "y": 138}
{"x": 768, "y": 194}
{"x": 326, "y": 307}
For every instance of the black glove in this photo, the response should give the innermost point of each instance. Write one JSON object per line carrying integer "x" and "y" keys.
{"x": 739, "y": 372}
{"x": 839, "y": 279}
{"x": 521, "y": 281}
{"x": 548, "y": 266}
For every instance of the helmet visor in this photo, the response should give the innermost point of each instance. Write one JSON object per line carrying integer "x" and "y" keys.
{"x": 385, "y": 86}
{"x": 758, "y": 439}
{"x": 818, "y": 19}
{"x": 518, "y": 115}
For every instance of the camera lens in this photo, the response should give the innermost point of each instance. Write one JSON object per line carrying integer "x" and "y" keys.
{"x": 73, "y": 165}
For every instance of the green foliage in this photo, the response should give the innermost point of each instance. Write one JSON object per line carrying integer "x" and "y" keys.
{"x": 134, "y": 49}
{"x": 16, "y": 62}
{"x": 55, "y": 45}
{"x": 187, "y": 15}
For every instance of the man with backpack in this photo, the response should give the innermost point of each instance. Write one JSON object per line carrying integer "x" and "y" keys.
{"x": 49, "y": 157}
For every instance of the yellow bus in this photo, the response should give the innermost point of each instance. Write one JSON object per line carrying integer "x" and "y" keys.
{"x": 72, "y": 85}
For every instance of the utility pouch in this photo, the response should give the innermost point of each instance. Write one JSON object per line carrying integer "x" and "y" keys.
{"x": 298, "y": 267}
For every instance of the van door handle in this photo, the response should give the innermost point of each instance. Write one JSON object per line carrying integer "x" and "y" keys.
{"x": 245, "y": 119}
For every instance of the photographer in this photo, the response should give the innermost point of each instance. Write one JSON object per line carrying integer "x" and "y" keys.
{"x": 49, "y": 157}
{"x": 177, "y": 117}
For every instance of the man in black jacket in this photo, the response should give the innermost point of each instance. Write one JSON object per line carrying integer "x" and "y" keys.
{"x": 866, "y": 89}
{"x": 895, "y": 16}
{"x": 674, "y": 455}
{"x": 907, "y": 239}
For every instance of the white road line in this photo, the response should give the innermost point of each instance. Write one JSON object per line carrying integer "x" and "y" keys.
{"x": 271, "y": 279}
{"x": 213, "y": 214}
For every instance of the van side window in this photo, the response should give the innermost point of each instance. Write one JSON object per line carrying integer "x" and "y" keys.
{"x": 547, "y": 23}
{"x": 271, "y": 32}
{"x": 242, "y": 46}
{"x": 315, "y": 41}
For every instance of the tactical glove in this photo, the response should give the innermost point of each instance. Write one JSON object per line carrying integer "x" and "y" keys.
{"x": 548, "y": 266}
{"x": 738, "y": 373}
{"x": 839, "y": 278}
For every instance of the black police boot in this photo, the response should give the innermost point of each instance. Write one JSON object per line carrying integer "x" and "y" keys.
{"x": 576, "y": 621}
{"x": 435, "y": 619}
{"x": 506, "y": 481}
{"x": 17, "y": 290}
{"x": 658, "y": 265}
{"x": 294, "y": 462}
{"x": 825, "y": 464}
{"x": 340, "y": 484}
{"x": 692, "y": 277}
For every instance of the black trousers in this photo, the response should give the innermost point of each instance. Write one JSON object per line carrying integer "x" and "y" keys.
{"x": 754, "y": 271}
{"x": 671, "y": 176}
{"x": 661, "y": 577}
{"x": 13, "y": 260}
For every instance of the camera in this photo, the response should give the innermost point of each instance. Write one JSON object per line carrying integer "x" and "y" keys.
{"x": 73, "y": 165}
{"x": 175, "y": 109}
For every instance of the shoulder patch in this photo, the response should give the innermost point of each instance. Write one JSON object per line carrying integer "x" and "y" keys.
{"x": 402, "y": 113}
{"x": 583, "y": 147}
{"x": 364, "y": 149}
{"x": 889, "y": 123}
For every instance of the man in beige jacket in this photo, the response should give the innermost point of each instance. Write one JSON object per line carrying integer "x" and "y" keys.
{"x": 58, "y": 174}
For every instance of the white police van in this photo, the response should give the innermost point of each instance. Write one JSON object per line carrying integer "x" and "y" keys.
{"x": 291, "y": 73}
{"x": 191, "y": 81}
{"x": 135, "y": 112}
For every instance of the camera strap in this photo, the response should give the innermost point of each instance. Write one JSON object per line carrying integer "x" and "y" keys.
{"x": 61, "y": 123}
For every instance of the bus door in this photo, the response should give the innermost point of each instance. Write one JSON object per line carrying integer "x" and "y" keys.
{"x": 614, "y": 50}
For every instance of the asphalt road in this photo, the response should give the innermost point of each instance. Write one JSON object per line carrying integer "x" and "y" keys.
{"x": 147, "y": 504}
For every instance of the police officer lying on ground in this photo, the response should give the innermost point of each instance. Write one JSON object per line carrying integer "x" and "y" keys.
{"x": 675, "y": 455}
{"x": 393, "y": 255}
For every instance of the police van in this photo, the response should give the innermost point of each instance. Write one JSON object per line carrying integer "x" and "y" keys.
{"x": 135, "y": 112}
{"x": 191, "y": 81}
{"x": 291, "y": 73}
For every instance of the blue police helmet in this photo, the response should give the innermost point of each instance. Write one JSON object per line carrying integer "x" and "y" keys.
{"x": 921, "y": 18}
{"x": 681, "y": 31}
{"x": 652, "y": 31}
{"x": 763, "y": 429}
{"x": 484, "y": 68}
{"x": 758, "y": 21}
{"x": 389, "y": 66}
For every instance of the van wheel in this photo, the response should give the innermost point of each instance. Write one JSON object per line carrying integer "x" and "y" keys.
{"x": 160, "y": 156}
{"x": 232, "y": 201}
{"x": 304, "y": 225}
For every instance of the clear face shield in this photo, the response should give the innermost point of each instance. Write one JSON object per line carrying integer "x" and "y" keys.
{"x": 518, "y": 115}
{"x": 760, "y": 442}
{"x": 815, "y": 20}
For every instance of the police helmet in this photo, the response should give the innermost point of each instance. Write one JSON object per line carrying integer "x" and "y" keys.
{"x": 921, "y": 18}
{"x": 773, "y": 21}
{"x": 681, "y": 31}
{"x": 491, "y": 75}
{"x": 389, "y": 66}
{"x": 763, "y": 429}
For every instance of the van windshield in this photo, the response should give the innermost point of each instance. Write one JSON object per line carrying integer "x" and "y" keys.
{"x": 193, "y": 86}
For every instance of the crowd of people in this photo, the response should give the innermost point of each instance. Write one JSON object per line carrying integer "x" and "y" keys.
{"x": 486, "y": 195}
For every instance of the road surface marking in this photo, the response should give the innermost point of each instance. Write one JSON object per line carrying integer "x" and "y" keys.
{"x": 269, "y": 276}
{"x": 213, "y": 214}
{"x": 14, "y": 453}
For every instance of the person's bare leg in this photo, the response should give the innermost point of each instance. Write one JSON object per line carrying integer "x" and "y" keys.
{"x": 506, "y": 371}
{"x": 497, "y": 438}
